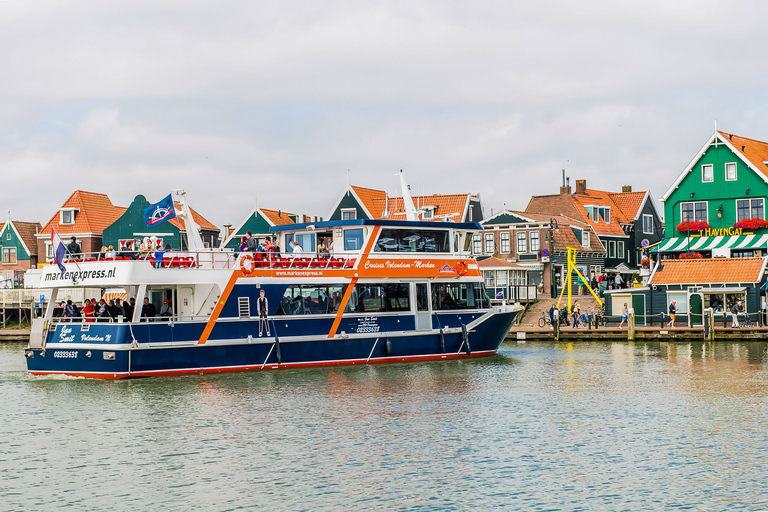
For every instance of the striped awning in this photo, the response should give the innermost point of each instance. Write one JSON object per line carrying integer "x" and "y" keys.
{"x": 707, "y": 243}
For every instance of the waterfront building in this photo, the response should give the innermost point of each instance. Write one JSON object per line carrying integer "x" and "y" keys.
{"x": 127, "y": 230}
{"x": 537, "y": 244}
{"x": 694, "y": 285}
{"x": 622, "y": 220}
{"x": 258, "y": 222}
{"x": 716, "y": 206}
{"x": 83, "y": 215}
{"x": 369, "y": 204}
{"x": 19, "y": 250}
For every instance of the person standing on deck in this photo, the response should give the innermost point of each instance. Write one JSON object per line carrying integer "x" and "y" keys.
{"x": 263, "y": 307}
{"x": 297, "y": 249}
{"x": 250, "y": 244}
{"x": 672, "y": 311}
{"x": 73, "y": 248}
{"x": 735, "y": 310}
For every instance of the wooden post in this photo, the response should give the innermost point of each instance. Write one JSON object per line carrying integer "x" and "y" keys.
{"x": 707, "y": 324}
{"x": 631, "y": 325}
{"x": 557, "y": 325}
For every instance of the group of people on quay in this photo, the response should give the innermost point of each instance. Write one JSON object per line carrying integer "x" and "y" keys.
{"x": 96, "y": 310}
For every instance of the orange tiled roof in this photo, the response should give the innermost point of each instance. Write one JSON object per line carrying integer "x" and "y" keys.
{"x": 204, "y": 224}
{"x": 27, "y": 232}
{"x": 601, "y": 227}
{"x": 278, "y": 218}
{"x": 494, "y": 262}
{"x": 754, "y": 150}
{"x": 96, "y": 212}
{"x": 628, "y": 202}
{"x": 714, "y": 270}
{"x": 368, "y": 197}
{"x": 450, "y": 207}
{"x": 564, "y": 236}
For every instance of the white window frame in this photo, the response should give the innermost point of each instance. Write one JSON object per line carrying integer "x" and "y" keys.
{"x": 428, "y": 214}
{"x": 749, "y": 199}
{"x": 477, "y": 243}
{"x": 8, "y": 235}
{"x": 61, "y": 217}
{"x": 620, "y": 249}
{"x": 607, "y": 216}
{"x": 504, "y": 246}
{"x": 488, "y": 245}
{"x": 10, "y": 251}
{"x": 353, "y": 211}
{"x": 735, "y": 171}
{"x": 48, "y": 251}
{"x": 612, "y": 249}
{"x": 650, "y": 221}
{"x": 694, "y": 210}
{"x": 592, "y": 212}
{"x": 585, "y": 239}
{"x": 522, "y": 237}
{"x": 711, "y": 168}
{"x": 533, "y": 235}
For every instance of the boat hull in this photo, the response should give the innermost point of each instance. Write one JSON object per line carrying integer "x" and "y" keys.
{"x": 186, "y": 357}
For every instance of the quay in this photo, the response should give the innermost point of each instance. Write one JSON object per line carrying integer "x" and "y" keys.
{"x": 656, "y": 333}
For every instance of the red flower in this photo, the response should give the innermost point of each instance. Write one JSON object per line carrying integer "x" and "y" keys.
{"x": 751, "y": 224}
{"x": 692, "y": 226}
{"x": 691, "y": 255}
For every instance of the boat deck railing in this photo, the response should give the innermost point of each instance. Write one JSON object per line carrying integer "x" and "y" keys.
{"x": 224, "y": 259}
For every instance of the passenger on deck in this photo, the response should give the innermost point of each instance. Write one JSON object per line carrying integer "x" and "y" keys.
{"x": 88, "y": 311}
{"x": 297, "y": 248}
{"x": 102, "y": 312}
{"x": 250, "y": 244}
{"x": 129, "y": 308}
{"x": 330, "y": 246}
{"x": 166, "y": 309}
{"x": 145, "y": 249}
{"x": 111, "y": 253}
{"x": 148, "y": 311}
{"x": 102, "y": 253}
{"x": 73, "y": 249}
{"x": 243, "y": 244}
{"x": 322, "y": 250}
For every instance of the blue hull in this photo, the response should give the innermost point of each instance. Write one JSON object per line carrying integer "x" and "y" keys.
{"x": 236, "y": 346}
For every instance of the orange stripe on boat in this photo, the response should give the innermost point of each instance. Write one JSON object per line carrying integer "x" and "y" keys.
{"x": 236, "y": 274}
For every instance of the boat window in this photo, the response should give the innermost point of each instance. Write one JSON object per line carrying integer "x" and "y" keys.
{"x": 371, "y": 297}
{"x": 311, "y": 299}
{"x": 467, "y": 242}
{"x": 459, "y": 296}
{"x": 412, "y": 240}
{"x": 353, "y": 239}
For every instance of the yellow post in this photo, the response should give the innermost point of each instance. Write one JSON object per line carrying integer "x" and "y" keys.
{"x": 572, "y": 267}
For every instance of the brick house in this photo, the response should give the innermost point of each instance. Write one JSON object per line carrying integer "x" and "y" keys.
{"x": 537, "y": 243}
{"x": 83, "y": 215}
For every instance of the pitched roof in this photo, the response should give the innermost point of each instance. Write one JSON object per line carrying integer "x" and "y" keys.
{"x": 278, "y": 217}
{"x": 629, "y": 203}
{"x": 26, "y": 232}
{"x": 714, "y": 270}
{"x": 754, "y": 150}
{"x": 199, "y": 220}
{"x": 494, "y": 262}
{"x": 367, "y": 197}
{"x": 447, "y": 207}
{"x": 95, "y": 212}
{"x": 565, "y": 237}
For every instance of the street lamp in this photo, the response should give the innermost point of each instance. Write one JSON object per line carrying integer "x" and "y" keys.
{"x": 551, "y": 239}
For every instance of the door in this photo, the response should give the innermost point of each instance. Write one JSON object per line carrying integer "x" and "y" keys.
{"x": 695, "y": 308}
{"x": 185, "y": 307}
{"x": 638, "y": 304}
{"x": 423, "y": 307}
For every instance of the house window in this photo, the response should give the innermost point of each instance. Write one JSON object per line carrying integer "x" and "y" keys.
{"x": 730, "y": 171}
{"x": 750, "y": 209}
{"x": 9, "y": 256}
{"x": 694, "y": 211}
{"x": 428, "y": 214}
{"x": 585, "y": 239}
{"x": 607, "y": 215}
{"x": 534, "y": 236}
{"x": 348, "y": 214}
{"x": 522, "y": 245}
{"x": 707, "y": 173}
{"x": 648, "y": 224}
{"x": 612, "y": 249}
{"x": 620, "y": 251}
{"x": 592, "y": 213}
{"x": 477, "y": 244}
{"x": 67, "y": 217}
{"x": 48, "y": 250}
{"x": 504, "y": 237}
{"x": 489, "y": 243}
{"x": 8, "y": 236}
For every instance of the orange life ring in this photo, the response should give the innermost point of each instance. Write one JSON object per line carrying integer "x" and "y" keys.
{"x": 243, "y": 259}
{"x": 461, "y": 267}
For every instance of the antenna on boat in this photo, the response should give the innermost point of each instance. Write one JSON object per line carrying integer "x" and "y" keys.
{"x": 410, "y": 210}
{"x": 194, "y": 241}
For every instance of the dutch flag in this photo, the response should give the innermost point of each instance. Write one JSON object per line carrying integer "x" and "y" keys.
{"x": 58, "y": 250}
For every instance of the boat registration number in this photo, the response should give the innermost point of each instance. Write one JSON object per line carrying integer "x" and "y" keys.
{"x": 66, "y": 354}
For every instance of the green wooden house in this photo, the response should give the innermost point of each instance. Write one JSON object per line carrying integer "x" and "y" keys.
{"x": 126, "y": 233}
{"x": 258, "y": 223}
{"x": 716, "y": 207}
{"x": 18, "y": 244}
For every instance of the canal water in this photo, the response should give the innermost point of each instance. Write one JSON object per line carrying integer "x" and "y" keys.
{"x": 541, "y": 426}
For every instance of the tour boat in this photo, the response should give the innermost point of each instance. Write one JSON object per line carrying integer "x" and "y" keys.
{"x": 389, "y": 291}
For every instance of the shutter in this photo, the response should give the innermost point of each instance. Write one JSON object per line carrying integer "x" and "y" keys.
{"x": 244, "y": 307}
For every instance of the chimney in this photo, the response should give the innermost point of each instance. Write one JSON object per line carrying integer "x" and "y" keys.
{"x": 581, "y": 187}
{"x": 227, "y": 230}
{"x": 626, "y": 188}
{"x": 564, "y": 191}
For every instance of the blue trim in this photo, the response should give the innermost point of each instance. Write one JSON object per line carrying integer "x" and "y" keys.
{"x": 378, "y": 222}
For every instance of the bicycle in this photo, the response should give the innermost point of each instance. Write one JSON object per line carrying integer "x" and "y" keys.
{"x": 544, "y": 320}
{"x": 599, "y": 316}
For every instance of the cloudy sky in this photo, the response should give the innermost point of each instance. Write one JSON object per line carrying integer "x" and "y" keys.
{"x": 234, "y": 100}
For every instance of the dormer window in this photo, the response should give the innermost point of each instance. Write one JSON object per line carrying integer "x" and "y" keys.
{"x": 67, "y": 215}
{"x": 428, "y": 213}
{"x": 598, "y": 213}
{"x": 585, "y": 239}
{"x": 592, "y": 212}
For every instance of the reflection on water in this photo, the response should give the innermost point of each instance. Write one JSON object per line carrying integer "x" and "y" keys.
{"x": 540, "y": 426}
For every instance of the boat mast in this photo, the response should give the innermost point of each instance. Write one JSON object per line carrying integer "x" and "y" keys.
{"x": 194, "y": 241}
{"x": 410, "y": 210}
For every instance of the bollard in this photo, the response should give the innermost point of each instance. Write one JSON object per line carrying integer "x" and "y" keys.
{"x": 725, "y": 319}
{"x": 557, "y": 325}
{"x": 590, "y": 316}
{"x": 707, "y": 334}
{"x": 661, "y": 324}
{"x": 631, "y": 325}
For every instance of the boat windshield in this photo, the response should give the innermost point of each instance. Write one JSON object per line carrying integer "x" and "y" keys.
{"x": 413, "y": 240}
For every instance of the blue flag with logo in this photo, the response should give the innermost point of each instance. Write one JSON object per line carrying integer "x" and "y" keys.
{"x": 500, "y": 294}
{"x": 159, "y": 212}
